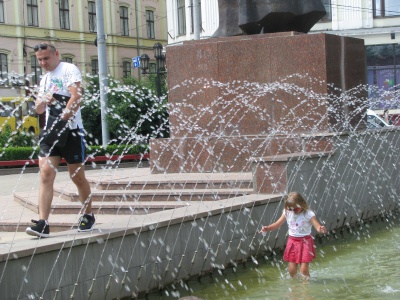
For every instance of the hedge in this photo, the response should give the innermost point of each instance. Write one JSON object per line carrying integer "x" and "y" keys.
{"x": 26, "y": 153}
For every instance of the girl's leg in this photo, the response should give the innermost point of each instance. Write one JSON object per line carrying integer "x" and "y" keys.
{"x": 305, "y": 269}
{"x": 292, "y": 268}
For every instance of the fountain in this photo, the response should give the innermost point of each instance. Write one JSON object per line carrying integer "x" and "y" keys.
{"x": 137, "y": 254}
{"x": 251, "y": 118}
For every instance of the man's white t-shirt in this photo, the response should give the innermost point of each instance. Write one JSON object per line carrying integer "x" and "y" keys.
{"x": 299, "y": 225}
{"x": 58, "y": 81}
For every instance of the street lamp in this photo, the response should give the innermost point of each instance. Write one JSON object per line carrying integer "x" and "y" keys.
{"x": 160, "y": 65}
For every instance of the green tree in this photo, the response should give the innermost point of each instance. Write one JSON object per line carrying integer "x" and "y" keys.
{"x": 9, "y": 138}
{"x": 135, "y": 113}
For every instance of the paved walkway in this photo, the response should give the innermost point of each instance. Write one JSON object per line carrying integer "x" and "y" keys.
{"x": 12, "y": 211}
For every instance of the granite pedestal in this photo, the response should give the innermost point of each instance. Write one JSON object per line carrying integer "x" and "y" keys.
{"x": 250, "y": 96}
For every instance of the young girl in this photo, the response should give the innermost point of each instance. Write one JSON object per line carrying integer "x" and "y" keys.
{"x": 300, "y": 245}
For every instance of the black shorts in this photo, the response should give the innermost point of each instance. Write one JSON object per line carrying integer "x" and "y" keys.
{"x": 73, "y": 151}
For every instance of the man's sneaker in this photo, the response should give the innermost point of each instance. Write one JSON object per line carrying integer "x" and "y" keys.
{"x": 86, "y": 223}
{"x": 41, "y": 229}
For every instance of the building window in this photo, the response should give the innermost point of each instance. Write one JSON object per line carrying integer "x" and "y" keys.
{"x": 67, "y": 59}
{"x": 3, "y": 69}
{"x": 150, "y": 24}
{"x": 181, "y": 17}
{"x": 95, "y": 67}
{"x": 92, "y": 16}
{"x": 192, "y": 14}
{"x": 386, "y": 8}
{"x": 1, "y": 11}
{"x": 32, "y": 12}
{"x": 123, "y": 14}
{"x": 328, "y": 8}
{"x": 383, "y": 74}
{"x": 64, "y": 14}
{"x": 126, "y": 69}
{"x": 36, "y": 70}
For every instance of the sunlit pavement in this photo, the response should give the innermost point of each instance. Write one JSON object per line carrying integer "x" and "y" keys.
{"x": 13, "y": 212}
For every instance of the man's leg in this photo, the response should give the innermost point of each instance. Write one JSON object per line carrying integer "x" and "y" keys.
{"x": 74, "y": 154}
{"x": 48, "y": 170}
{"x": 77, "y": 174}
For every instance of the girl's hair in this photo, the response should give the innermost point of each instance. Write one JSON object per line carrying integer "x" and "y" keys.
{"x": 295, "y": 199}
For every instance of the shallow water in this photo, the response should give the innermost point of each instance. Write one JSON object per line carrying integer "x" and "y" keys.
{"x": 361, "y": 263}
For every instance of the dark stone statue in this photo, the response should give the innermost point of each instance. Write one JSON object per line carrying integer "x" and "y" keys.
{"x": 238, "y": 17}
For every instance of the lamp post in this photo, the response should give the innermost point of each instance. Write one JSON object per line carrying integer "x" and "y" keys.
{"x": 160, "y": 65}
{"x": 103, "y": 76}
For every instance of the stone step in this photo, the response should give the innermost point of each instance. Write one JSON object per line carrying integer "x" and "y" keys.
{"x": 128, "y": 192}
{"x": 142, "y": 179}
{"x": 167, "y": 185}
{"x": 70, "y": 193}
{"x": 59, "y": 222}
{"x": 63, "y": 206}
{"x": 20, "y": 226}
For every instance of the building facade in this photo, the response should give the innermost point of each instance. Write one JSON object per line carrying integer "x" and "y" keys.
{"x": 377, "y": 22}
{"x": 132, "y": 27}
{"x": 180, "y": 15}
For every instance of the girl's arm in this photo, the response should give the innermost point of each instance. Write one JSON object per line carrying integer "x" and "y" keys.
{"x": 317, "y": 226}
{"x": 275, "y": 225}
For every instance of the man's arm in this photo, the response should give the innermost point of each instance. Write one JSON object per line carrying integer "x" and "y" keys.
{"x": 40, "y": 105}
{"x": 74, "y": 102}
{"x": 42, "y": 100}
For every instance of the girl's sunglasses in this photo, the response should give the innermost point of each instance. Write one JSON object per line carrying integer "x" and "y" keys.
{"x": 42, "y": 47}
{"x": 297, "y": 209}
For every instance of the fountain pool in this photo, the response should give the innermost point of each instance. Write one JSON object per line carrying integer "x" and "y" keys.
{"x": 361, "y": 263}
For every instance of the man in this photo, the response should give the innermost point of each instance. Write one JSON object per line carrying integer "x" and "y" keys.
{"x": 62, "y": 80}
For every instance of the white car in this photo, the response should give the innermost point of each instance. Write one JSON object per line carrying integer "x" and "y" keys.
{"x": 375, "y": 121}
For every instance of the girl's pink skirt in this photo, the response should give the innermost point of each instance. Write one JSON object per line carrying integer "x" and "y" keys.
{"x": 299, "y": 249}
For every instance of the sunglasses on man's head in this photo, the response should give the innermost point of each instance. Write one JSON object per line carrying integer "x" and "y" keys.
{"x": 42, "y": 47}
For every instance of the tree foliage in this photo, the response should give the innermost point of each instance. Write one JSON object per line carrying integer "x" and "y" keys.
{"x": 9, "y": 138}
{"x": 134, "y": 112}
